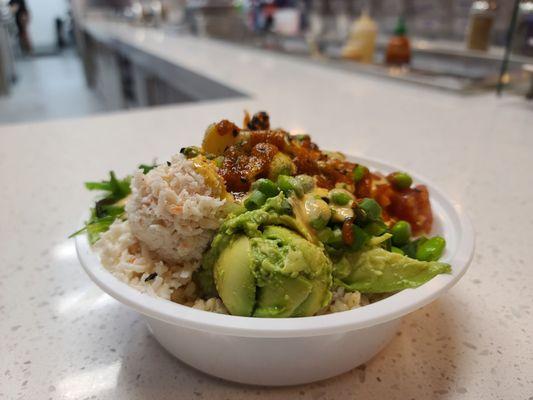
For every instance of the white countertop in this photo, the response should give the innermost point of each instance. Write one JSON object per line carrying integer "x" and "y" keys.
{"x": 62, "y": 338}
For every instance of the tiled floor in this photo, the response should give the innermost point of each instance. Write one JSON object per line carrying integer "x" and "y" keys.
{"x": 49, "y": 87}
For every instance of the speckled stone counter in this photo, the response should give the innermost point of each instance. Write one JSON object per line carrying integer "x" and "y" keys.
{"x": 63, "y": 338}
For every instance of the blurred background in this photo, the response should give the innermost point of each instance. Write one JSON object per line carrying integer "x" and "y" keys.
{"x": 58, "y": 58}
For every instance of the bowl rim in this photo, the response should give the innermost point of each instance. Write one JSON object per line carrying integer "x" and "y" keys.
{"x": 393, "y": 307}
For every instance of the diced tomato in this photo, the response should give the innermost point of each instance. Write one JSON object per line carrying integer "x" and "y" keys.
{"x": 412, "y": 205}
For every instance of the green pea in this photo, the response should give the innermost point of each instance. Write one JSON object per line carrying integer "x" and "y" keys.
{"x": 401, "y": 233}
{"x": 400, "y": 180}
{"x": 266, "y": 186}
{"x": 431, "y": 250}
{"x": 359, "y": 173}
{"x": 290, "y": 184}
{"x": 255, "y": 200}
{"x": 307, "y": 182}
{"x": 340, "y": 196}
{"x": 397, "y": 250}
{"x": 371, "y": 208}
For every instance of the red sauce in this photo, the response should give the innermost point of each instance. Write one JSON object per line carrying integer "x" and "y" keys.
{"x": 411, "y": 205}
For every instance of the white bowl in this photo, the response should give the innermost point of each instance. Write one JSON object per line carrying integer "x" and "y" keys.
{"x": 289, "y": 351}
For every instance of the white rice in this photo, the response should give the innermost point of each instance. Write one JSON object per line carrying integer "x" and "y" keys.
{"x": 172, "y": 211}
{"x": 132, "y": 262}
{"x": 344, "y": 301}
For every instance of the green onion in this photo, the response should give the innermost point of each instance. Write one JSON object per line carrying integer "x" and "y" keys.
{"x": 375, "y": 228}
{"x": 266, "y": 186}
{"x": 360, "y": 237}
{"x": 290, "y": 184}
{"x": 371, "y": 208}
{"x": 146, "y": 167}
{"x": 255, "y": 200}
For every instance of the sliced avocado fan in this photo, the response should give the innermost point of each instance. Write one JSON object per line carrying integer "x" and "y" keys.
{"x": 376, "y": 270}
{"x": 278, "y": 274}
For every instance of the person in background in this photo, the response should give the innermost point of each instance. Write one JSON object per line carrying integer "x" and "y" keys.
{"x": 22, "y": 19}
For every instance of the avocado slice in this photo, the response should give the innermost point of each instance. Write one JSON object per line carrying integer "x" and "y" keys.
{"x": 234, "y": 279}
{"x": 319, "y": 297}
{"x": 293, "y": 274}
{"x": 376, "y": 270}
{"x": 281, "y": 296}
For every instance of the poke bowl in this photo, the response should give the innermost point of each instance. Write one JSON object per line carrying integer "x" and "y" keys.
{"x": 263, "y": 346}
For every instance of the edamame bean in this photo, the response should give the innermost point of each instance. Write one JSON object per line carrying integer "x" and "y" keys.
{"x": 372, "y": 209}
{"x": 340, "y": 196}
{"x": 317, "y": 211}
{"x": 400, "y": 180}
{"x": 340, "y": 214}
{"x": 255, "y": 200}
{"x": 266, "y": 186}
{"x": 431, "y": 250}
{"x": 411, "y": 247}
{"x": 289, "y": 184}
{"x": 401, "y": 233}
{"x": 307, "y": 182}
{"x": 359, "y": 173}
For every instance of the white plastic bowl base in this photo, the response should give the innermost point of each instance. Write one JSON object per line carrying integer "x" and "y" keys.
{"x": 273, "y": 361}
{"x": 288, "y": 351}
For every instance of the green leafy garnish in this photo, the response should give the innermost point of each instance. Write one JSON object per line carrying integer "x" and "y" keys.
{"x": 147, "y": 167}
{"x": 109, "y": 207}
